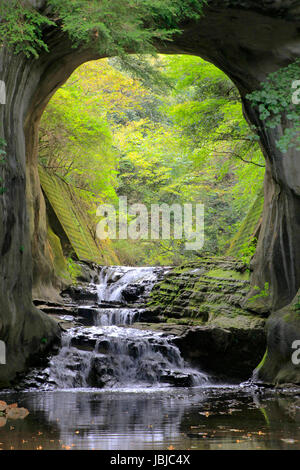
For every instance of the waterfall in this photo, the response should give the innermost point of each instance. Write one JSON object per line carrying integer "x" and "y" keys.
{"x": 115, "y": 279}
{"x": 114, "y": 354}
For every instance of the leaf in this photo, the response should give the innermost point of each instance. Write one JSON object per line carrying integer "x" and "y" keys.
{"x": 3, "y": 405}
{"x": 17, "y": 413}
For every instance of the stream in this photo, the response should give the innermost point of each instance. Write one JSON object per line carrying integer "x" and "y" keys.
{"x": 116, "y": 386}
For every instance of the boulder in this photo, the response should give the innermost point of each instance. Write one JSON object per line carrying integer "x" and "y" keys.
{"x": 280, "y": 363}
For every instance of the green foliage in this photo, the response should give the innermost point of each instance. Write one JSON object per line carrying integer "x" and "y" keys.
{"x": 247, "y": 251}
{"x": 73, "y": 269}
{"x": 111, "y": 28}
{"x": 107, "y": 132}
{"x": 117, "y": 27}
{"x": 226, "y": 165}
{"x": 275, "y": 104}
{"x": 21, "y": 27}
{"x": 263, "y": 293}
{"x": 297, "y": 305}
{"x": 76, "y": 141}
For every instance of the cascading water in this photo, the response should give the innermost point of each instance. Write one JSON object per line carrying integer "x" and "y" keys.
{"x": 115, "y": 281}
{"x": 114, "y": 354}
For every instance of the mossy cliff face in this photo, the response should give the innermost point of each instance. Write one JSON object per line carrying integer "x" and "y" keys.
{"x": 206, "y": 298}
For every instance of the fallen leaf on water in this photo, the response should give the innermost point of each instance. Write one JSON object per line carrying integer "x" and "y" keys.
{"x": 17, "y": 413}
{"x": 12, "y": 405}
{"x": 205, "y": 413}
{"x": 3, "y": 405}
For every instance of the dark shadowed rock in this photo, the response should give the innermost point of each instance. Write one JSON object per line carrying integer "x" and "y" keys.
{"x": 132, "y": 292}
{"x": 229, "y": 352}
{"x": 81, "y": 293}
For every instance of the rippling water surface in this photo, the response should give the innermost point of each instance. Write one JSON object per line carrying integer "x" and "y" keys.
{"x": 200, "y": 418}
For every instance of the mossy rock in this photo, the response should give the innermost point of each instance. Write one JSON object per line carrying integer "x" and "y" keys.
{"x": 229, "y": 274}
{"x": 278, "y": 365}
{"x": 211, "y": 291}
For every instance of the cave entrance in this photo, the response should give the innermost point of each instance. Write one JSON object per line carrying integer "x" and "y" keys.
{"x": 173, "y": 136}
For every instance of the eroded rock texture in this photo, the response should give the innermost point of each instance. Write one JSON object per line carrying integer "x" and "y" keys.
{"x": 24, "y": 249}
{"x": 247, "y": 40}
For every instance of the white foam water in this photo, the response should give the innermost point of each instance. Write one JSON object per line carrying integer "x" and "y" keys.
{"x": 112, "y": 354}
{"x": 113, "y": 357}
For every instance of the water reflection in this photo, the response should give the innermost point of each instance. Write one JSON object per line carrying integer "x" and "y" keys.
{"x": 209, "y": 418}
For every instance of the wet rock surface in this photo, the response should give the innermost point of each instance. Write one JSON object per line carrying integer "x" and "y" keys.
{"x": 229, "y": 344}
{"x": 213, "y": 290}
{"x": 116, "y": 357}
{"x": 229, "y": 352}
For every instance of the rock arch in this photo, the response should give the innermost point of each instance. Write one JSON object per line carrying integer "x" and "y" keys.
{"x": 247, "y": 40}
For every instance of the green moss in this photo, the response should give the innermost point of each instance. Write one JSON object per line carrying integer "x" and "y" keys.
{"x": 248, "y": 228}
{"x": 222, "y": 274}
{"x": 185, "y": 321}
{"x": 238, "y": 321}
{"x": 69, "y": 208}
{"x": 207, "y": 292}
{"x": 59, "y": 261}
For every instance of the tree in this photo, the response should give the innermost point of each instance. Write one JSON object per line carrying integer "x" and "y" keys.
{"x": 165, "y": 149}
